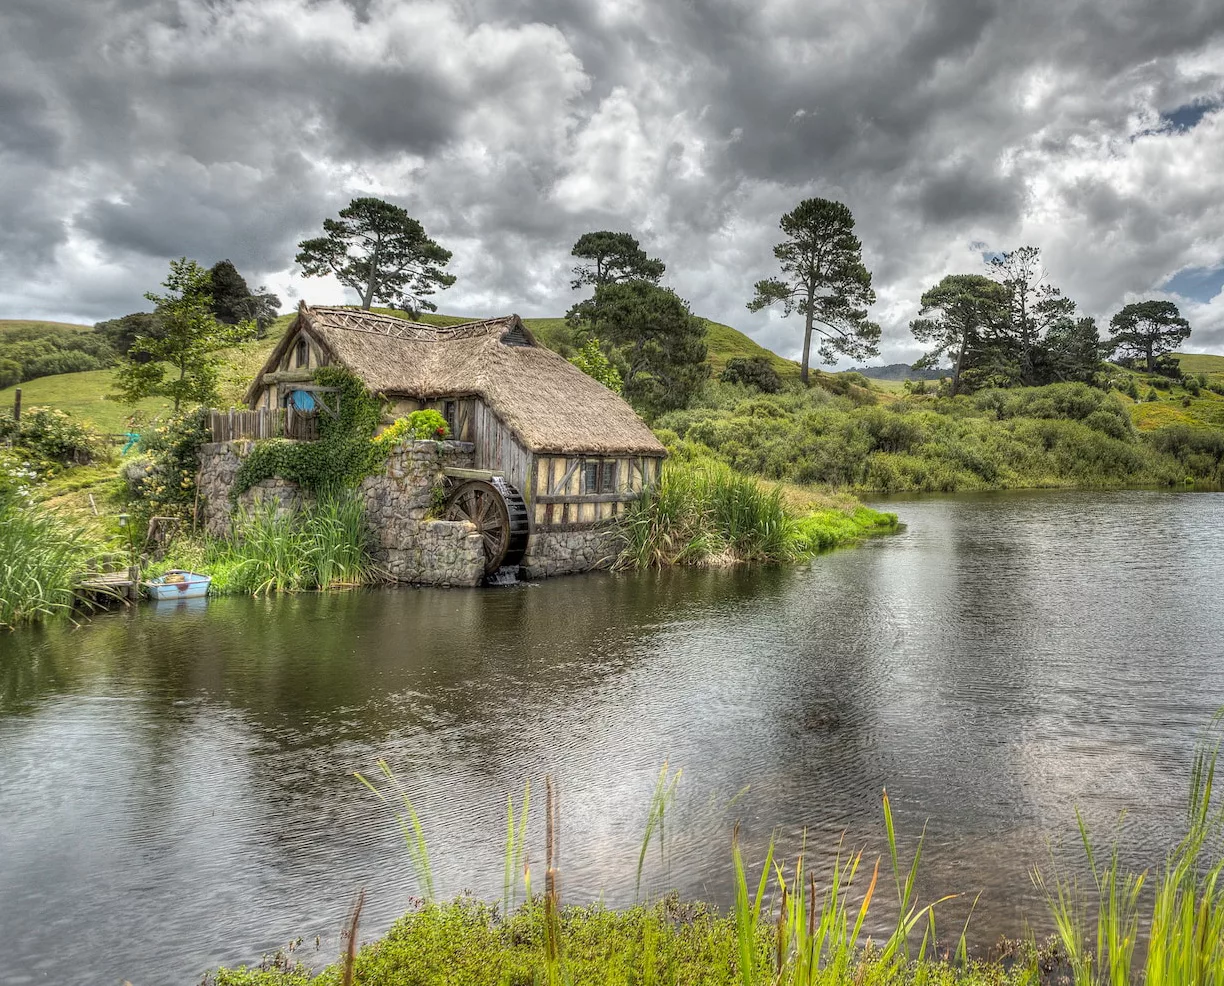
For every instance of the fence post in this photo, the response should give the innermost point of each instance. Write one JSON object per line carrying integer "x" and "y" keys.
{"x": 17, "y": 405}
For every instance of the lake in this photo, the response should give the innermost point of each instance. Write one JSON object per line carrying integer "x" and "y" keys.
{"x": 176, "y": 781}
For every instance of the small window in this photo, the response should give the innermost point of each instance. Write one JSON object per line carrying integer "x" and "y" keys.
{"x": 590, "y": 477}
{"x": 303, "y": 352}
{"x": 607, "y": 477}
{"x": 449, "y": 413}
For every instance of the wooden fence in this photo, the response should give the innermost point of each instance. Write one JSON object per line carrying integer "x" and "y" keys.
{"x": 228, "y": 426}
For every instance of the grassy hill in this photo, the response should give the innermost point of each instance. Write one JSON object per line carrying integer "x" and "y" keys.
{"x": 15, "y": 326}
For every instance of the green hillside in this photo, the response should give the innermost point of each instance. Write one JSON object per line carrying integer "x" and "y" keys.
{"x": 14, "y": 326}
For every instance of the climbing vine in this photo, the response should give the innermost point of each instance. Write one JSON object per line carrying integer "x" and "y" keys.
{"x": 346, "y": 451}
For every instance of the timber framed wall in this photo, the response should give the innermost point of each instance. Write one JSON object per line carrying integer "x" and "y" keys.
{"x": 573, "y": 492}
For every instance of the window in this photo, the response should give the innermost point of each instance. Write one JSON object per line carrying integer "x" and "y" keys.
{"x": 303, "y": 352}
{"x": 598, "y": 477}
{"x": 448, "y": 412}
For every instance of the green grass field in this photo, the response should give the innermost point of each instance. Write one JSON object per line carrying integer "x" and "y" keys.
{"x": 10, "y": 326}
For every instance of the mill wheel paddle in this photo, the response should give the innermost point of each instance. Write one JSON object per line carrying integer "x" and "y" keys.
{"x": 499, "y": 515}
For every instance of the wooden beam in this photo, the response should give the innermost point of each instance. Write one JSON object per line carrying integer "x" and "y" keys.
{"x": 598, "y": 498}
{"x": 455, "y": 473}
{"x": 564, "y": 480}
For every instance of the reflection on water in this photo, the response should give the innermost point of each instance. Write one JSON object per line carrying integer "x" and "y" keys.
{"x": 176, "y": 783}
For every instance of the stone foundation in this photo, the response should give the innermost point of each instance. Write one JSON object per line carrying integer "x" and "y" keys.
{"x": 567, "y": 552}
{"x": 408, "y": 545}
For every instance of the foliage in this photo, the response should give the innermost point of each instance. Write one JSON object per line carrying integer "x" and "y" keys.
{"x": 824, "y": 280}
{"x": 320, "y": 546}
{"x": 590, "y": 359}
{"x": 49, "y": 438}
{"x": 346, "y": 451}
{"x": 39, "y": 556}
{"x": 1148, "y": 330}
{"x": 121, "y": 333}
{"x": 1035, "y": 309}
{"x": 755, "y": 372}
{"x": 427, "y": 425}
{"x": 45, "y": 349}
{"x": 658, "y": 342}
{"x": 962, "y": 317}
{"x": 171, "y": 448}
{"x": 381, "y": 252}
{"x": 612, "y": 257}
{"x": 233, "y": 303}
{"x": 1059, "y": 435}
{"x": 188, "y": 340}
{"x": 703, "y": 513}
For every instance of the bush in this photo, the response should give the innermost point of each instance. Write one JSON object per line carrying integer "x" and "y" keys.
{"x": 50, "y": 438}
{"x": 10, "y": 373}
{"x": 756, "y": 371}
{"x": 592, "y": 361}
{"x": 427, "y": 425}
{"x": 1151, "y": 395}
{"x": 172, "y": 453}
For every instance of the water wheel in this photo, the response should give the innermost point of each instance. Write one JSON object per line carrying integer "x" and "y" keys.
{"x": 500, "y": 516}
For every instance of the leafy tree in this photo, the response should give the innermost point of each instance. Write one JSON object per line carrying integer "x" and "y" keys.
{"x": 592, "y": 361}
{"x": 1148, "y": 329}
{"x": 1070, "y": 351}
{"x": 755, "y": 371}
{"x": 658, "y": 343}
{"x": 825, "y": 281}
{"x": 10, "y": 373}
{"x": 122, "y": 332}
{"x": 961, "y": 316}
{"x": 381, "y": 252}
{"x": 1034, "y": 305}
{"x": 613, "y": 257}
{"x": 233, "y": 303}
{"x": 188, "y": 340}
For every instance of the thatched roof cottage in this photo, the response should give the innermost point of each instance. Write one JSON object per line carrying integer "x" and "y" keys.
{"x": 573, "y": 450}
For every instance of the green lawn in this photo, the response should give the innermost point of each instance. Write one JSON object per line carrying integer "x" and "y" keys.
{"x": 83, "y": 395}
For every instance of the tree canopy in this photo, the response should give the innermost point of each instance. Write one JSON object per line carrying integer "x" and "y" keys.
{"x": 233, "y": 302}
{"x": 613, "y": 257}
{"x": 1034, "y": 305}
{"x": 657, "y": 344}
{"x": 825, "y": 281}
{"x": 382, "y": 253}
{"x": 187, "y": 340}
{"x": 1148, "y": 330}
{"x": 962, "y": 316}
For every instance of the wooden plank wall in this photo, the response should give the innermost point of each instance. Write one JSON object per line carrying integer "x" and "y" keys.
{"x": 229, "y": 426}
{"x": 561, "y": 503}
{"x": 497, "y": 450}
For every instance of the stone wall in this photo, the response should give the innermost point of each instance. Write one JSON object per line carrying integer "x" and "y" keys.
{"x": 397, "y": 501}
{"x": 566, "y": 552}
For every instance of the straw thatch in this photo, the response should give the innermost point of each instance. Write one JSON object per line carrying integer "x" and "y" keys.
{"x": 550, "y": 405}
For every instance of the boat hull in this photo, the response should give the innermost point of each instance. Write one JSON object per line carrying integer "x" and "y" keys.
{"x": 192, "y": 587}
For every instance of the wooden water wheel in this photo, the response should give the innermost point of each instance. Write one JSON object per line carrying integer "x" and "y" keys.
{"x": 500, "y": 516}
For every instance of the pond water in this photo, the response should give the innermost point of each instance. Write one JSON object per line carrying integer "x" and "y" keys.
{"x": 176, "y": 786}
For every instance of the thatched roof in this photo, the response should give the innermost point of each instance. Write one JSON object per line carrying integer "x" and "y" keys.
{"x": 550, "y": 404}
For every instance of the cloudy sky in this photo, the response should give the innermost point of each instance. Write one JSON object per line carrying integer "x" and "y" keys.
{"x": 133, "y": 131}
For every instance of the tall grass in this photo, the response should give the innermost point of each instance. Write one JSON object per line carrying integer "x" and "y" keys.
{"x": 276, "y": 550}
{"x": 39, "y": 559}
{"x": 705, "y": 513}
{"x": 1182, "y": 926}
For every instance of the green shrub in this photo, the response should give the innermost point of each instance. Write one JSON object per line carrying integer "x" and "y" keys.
{"x": 592, "y": 361}
{"x": 1151, "y": 395}
{"x": 427, "y": 425}
{"x": 755, "y": 371}
{"x": 172, "y": 450}
{"x": 10, "y": 373}
{"x": 50, "y": 438}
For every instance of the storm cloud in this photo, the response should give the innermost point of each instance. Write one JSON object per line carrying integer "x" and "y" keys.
{"x": 133, "y": 131}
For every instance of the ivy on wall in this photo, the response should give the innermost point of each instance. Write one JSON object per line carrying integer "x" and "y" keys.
{"x": 347, "y": 451}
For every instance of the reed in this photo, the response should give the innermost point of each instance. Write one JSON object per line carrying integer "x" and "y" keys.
{"x": 1182, "y": 925}
{"x": 40, "y": 559}
{"x": 704, "y": 513}
{"x": 395, "y": 798}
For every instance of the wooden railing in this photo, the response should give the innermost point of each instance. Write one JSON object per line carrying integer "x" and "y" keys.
{"x": 229, "y": 426}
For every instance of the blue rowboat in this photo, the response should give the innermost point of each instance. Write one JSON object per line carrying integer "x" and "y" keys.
{"x": 176, "y": 584}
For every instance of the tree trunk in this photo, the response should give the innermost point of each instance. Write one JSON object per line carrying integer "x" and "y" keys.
{"x": 368, "y": 298}
{"x": 1151, "y": 359}
{"x": 807, "y": 339}
{"x": 960, "y": 363}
